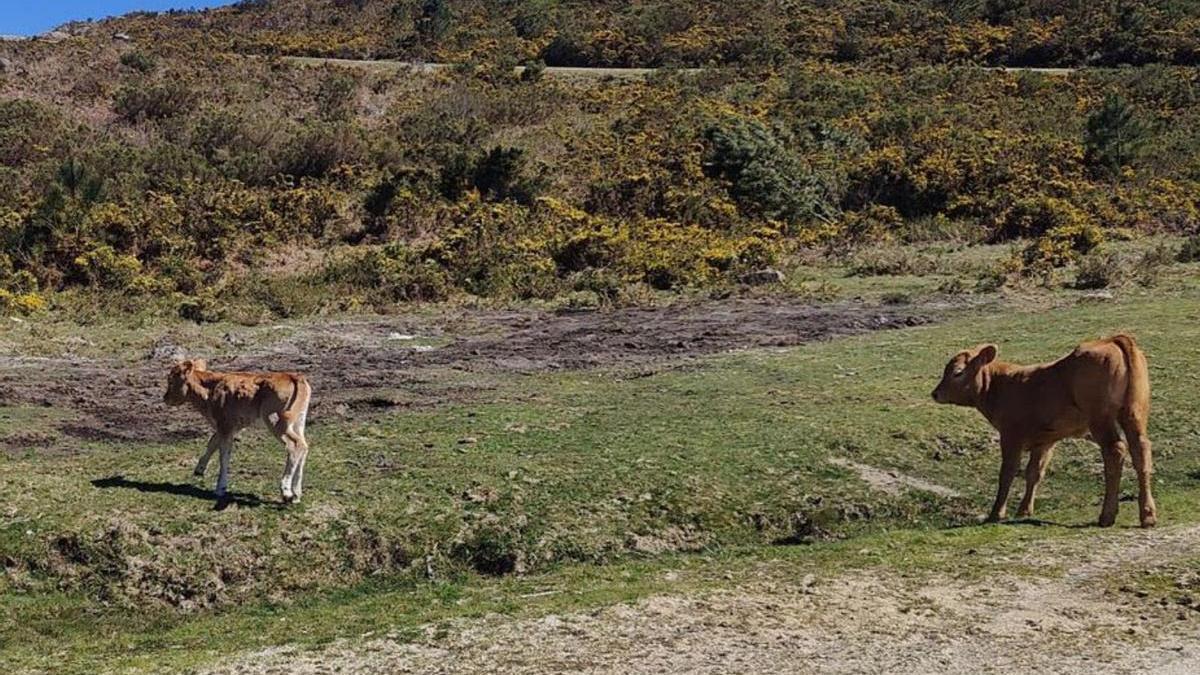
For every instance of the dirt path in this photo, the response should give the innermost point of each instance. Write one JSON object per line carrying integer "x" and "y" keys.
{"x": 860, "y": 623}
{"x": 428, "y": 68}
{"x": 377, "y": 363}
{"x": 384, "y": 66}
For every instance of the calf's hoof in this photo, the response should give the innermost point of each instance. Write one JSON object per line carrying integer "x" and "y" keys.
{"x": 1107, "y": 521}
{"x": 1149, "y": 521}
{"x": 993, "y": 518}
{"x": 289, "y": 498}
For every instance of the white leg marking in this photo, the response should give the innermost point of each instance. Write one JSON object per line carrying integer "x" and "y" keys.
{"x": 298, "y": 480}
{"x": 289, "y": 468}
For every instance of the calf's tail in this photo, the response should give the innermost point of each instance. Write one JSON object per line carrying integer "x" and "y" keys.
{"x": 297, "y": 406}
{"x": 1137, "y": 394}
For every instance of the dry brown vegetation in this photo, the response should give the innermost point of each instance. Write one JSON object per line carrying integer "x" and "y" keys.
{"x": 174, "y": 167}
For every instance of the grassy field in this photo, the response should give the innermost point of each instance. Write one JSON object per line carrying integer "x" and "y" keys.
{"x": 633, "y": 300}
{"x": 587, "y": 485}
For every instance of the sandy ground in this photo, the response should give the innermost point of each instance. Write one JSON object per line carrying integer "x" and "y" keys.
{"x": 1074, "y": 621}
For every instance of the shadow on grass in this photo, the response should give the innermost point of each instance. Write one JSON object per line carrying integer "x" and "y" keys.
{"x": 1090, "y": 525}
{"x": 181, "y": 490}
{"x": 1026, "y": 522}
{"x": 1038, "y": 522}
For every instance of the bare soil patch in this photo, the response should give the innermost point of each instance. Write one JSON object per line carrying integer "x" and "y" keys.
{"x": 372, "y": 364}
{"x": 892, "y": 482}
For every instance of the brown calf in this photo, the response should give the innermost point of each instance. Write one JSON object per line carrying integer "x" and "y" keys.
{"x": 231, "y": 402}
{"x": 1102, "y": 389}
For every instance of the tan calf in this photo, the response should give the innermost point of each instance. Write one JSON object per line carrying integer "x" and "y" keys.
{"x": 233, "y": 401}
{"x": 1101, "y": 389}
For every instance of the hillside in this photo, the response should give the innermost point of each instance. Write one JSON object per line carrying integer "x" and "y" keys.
{"x": 686, "y": 32}
{"x": 181, "y": 166}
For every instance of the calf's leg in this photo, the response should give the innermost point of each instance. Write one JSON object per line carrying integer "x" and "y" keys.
{"x": 289, "y": 469}
{"x": 223, "y": 476}
{"x": 1112, "y": 449}
{"x": 1143, "y": 464}
{"x": 301, "y": 456}
{"x": 214, "y": 442}
{"x": 1010, "y": 463}
{"x": 298, "y": 429}
{"x": 285, "y": 429}
{"x": 1035, "y": 470}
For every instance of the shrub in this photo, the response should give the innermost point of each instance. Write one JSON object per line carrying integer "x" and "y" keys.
{"x": 872, "y": 224}
{"x": 1190, "y": 251}
{"x": 1035, "y": 216}
{"x": 500, "y": 174}
{"x": 991, "y": 280}
{"x": 434, "y": 20}
{"x": 21, "y": 303}
{"x": 104, "y": 267}
{"x": 673, "y": 181}
{"x": 27, "y": 131}
{"x": 605, "y": 285}
{"x": 952, "y": 286}
{"x": 1061, "y": 246}
{"x": 889, "y": 261}
{"x": 184, "y": 274}
{"x": 395, "y": 273}
{"x": 146, "y": 100}
{"x": 455, "y": 176}
{"x": 306, "y": 212}
{"x": 318, "y": 148}
{"x": 533, "y": 71}
{"x": 493, "y": 251}
{"x": 671, "y": 256}
{"x": 335, "y": 96}
{"x": 240, "y": 145}
{"x": 1099, "y": 269}
{"x": 203, "y": 308}
{"x": 588, "y": 249}
{"x": 765, "y": 176}
{"x": 139, "y": 61}
{"x": 1152, "y": 262}
{"x": 533, "y": 17}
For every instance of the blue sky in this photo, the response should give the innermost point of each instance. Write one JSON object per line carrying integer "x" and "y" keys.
{"x": 29, "y": 17}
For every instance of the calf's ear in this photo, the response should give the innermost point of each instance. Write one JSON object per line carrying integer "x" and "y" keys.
{"x": 199, "y": 364}
{"x": 986, "y": 355}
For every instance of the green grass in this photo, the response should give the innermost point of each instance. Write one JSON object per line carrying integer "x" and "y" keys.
{"x": 591, "y": 483}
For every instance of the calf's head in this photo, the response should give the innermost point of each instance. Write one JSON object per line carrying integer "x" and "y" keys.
{"x": 962, "y": 381}
{"x": 180, "y": 381}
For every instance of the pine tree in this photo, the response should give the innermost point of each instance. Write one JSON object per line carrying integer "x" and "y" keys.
{"x": 435, "y": 19}
{"x": 1114, "y": 136}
